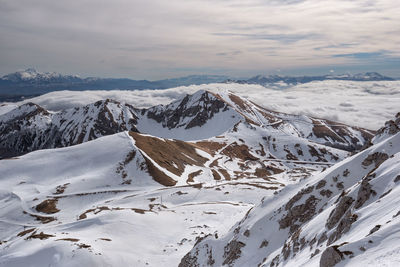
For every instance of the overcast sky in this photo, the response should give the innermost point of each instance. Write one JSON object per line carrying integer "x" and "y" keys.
{"x": 153, "y": 39}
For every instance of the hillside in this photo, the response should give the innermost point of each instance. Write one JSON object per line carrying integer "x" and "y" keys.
{"x": 346, "y": 215}
{"x": 211, "y": 179}
{"x": 199, "y": 116}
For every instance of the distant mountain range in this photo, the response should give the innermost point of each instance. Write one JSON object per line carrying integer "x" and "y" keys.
{"x": 31, "y": 82}
{"x": 269, "y": 79}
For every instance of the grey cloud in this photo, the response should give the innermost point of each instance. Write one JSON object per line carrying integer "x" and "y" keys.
{"x": 284, "y": 38}
{"x": 158, "y": 38}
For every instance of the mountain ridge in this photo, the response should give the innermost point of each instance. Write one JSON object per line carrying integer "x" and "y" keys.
{"x": 258, "y": 188}
{"x": 182, "y": 119}
{"x": 32, "y": 83}
{"x": 323, "y": 222}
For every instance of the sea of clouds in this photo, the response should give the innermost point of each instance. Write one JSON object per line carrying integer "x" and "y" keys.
{"x": 364, "y": 104}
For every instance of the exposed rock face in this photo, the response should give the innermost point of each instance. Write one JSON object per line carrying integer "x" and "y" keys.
{"x": 39, "y": 129}
{"x": 330, "y": 257}
{"x": 377, "y": 158}
{"x": 343, "y": 227}
{"x": 189, "y": 261}
{"x": 364, "y": 193}
{"x": 300, "y": 228}
{"x": 232, "y": 251}
{"x": 300, "y": 213}
{"x": 391, "y": 128}
{"x": 198, "y": 109}
{"x": 24, "y": 129}
{"x": 31, "y": 127}
{"x": 339, "y": 211}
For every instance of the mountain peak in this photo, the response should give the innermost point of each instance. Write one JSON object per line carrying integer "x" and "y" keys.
{"x": 32, "y": 75}
{"x": 270, "y": 79}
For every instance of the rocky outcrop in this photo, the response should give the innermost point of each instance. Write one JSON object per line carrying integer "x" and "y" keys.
{"x": 232, "y": 252}
{"x": 390, "y": 128}
{"x": 330, "y": 257}
{"x": 377, "y": 158}
{"x": 197, "y": 109}
{"x": 31, "y": 127}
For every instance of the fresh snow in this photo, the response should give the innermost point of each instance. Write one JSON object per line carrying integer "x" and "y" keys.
{"x": 111, "y": 212}
{"x": 364, "y": 104}
{"x": 119, "y": 236}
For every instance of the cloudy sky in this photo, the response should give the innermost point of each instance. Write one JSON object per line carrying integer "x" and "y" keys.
{"x": 153, "y": 39}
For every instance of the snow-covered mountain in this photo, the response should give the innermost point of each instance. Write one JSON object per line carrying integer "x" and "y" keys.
{"x": 212, "y": 179}
{"x": 30, "y": 127}
{"x": 346, "y": 215}
{"x": 31, "y": 82}
{"x": 199, "y": 116}
{"x": 275, "y": 79}
{"x": 34, "y": 77}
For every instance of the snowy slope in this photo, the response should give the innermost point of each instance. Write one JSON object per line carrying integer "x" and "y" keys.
{"x": 235, "y": 184}
{"x": 30, "y": 127}
{"x": 97, "y": 204}
{"x": 346, "y": 215}
{"x": 199, "y": 116}
{"x": 348, "y": 102}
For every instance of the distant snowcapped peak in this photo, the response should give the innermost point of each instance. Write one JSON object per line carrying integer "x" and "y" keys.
{"x": 32, "y": 74}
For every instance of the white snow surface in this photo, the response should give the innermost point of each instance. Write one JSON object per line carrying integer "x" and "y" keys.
{"x": 364, "y": 104}
{"x": 136, "y": 224}
{"x": 6, "y": 107}
{"x": 367, "y": 247}
{"x": 142, "y": 223}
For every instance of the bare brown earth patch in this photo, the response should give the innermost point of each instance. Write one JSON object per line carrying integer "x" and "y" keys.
{"x": 322, "y": 131}
{"x": 243, "y": 107}
{"x": 102, "y": 208}
{"x": 68, "y": 239}
{"x": 274, "y": 169}
{"x": 172, "y": 155}
{"x": 261, "y": 151}
{"x": 261, "y": 172}
{"x": 26, "y": 232}
{"x": 40, "y": 236}
{"x": 214, "y": 163}
{"x": 158, "y": 175}
{"x": 225, "y": 174}
{"x": 209, "y": 147}
{"x": 192, "y": 175}
{"x": 238, "y": 151}
{"x": 83, "y": 245}
{"x": 48, "y": 206}
{"x": 140, "y": 211}
{"x": 95, "y": 211}
{"x": 216, "y": 175}
{"x": 43, "y": 219}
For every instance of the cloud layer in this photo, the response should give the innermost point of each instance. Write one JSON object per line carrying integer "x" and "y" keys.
{"x": 157, "y": 38}
{"x": 365, "y": 104}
